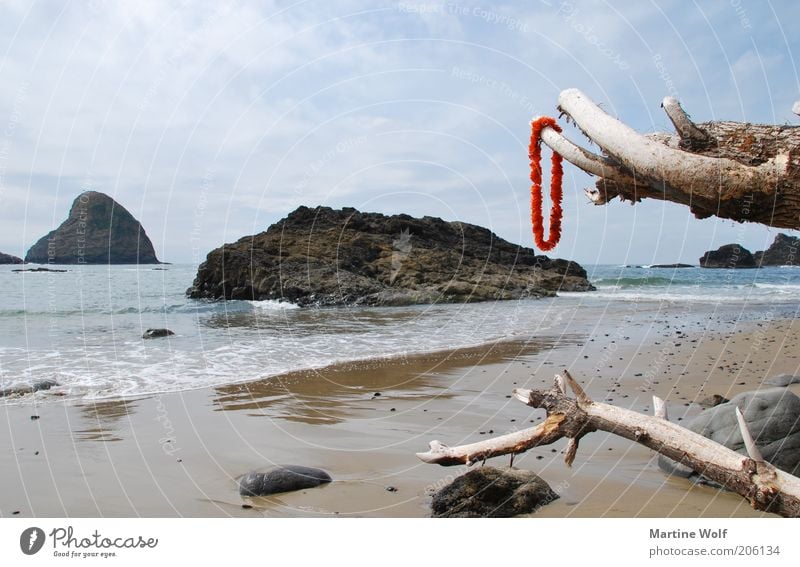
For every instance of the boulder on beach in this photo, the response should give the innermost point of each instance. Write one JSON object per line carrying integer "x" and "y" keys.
{"x": 283, "y": 478}
{"x": 773, "y": 417}
{"x": 9, "y": 259}
{"x": 784, "y": 251}
{"x": 488, "y": 492}
{"x": 322, "y": 256}
{"x": 782, "y": 380}
{"x": 156, "y": 333}
{"x": 728, "y": 256}
{"x": 98, "y": 230}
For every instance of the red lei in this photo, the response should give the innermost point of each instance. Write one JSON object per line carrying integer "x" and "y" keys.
{"x": 557, "y": 172}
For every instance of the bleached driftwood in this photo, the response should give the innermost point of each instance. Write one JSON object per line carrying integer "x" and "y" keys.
{"x": 766, "y": 487}
{"x": 740, "y": 171}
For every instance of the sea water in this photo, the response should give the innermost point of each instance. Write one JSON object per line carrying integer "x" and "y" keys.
{"x": 83, "y": 327}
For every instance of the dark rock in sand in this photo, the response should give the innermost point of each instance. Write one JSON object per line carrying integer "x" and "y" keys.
{"x": 488, "y": 492}
{"x": 27, "y": 388}
{"x": 323, "y": 256}
{"x": 672, "y": 266}
{"x": 782, "y": 380}
{"x": 728, "y": 256}
{"x": 284, "y": 478}
{"x": 156, "y": 333}
{"x": 9, "y": 259}
{"x": 98, "y": 230}
{"x": 772, "y": 417}
{"x": 713, "y": 401}
{"x": 784, "y": 251}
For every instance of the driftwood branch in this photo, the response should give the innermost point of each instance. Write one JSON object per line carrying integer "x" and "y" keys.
{"x": 740, "y": 171}
{"x": 766, "y": 487}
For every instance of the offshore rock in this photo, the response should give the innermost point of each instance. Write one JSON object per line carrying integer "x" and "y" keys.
{"x": 323, "y": 256}
{"x": 9, "y": 259}
{"x": 784, "y": 251}
{"x": 98, "y": 230}
{"x": 728, "y": 256}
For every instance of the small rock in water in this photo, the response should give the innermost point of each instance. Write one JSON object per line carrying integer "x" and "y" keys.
{"x": 284, "y": 478}
{"x": 391, "y": 489}
{"x": 34, "y": 417}
{"x": 156, "y": 333}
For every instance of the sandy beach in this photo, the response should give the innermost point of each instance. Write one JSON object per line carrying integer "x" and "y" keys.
{"x": 179, "y": 454}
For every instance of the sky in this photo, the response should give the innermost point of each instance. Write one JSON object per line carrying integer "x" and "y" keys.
{"x": 209, "y": 121}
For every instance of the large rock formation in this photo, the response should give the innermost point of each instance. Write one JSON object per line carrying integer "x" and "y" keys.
{"x": 728, "y": 256}
{"x": 784, "y": 251}
{"x": 98, "y": 230}
{"x": 9, "y": 259}
{"x": 772, "y": 417}
{"x": 324, "y": 256}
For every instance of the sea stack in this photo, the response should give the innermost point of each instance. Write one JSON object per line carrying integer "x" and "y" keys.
{"x": 9, "y": 259}
{"x": 322, "y": 256}
{"x": 784, "y": 251}
{"x": 98, "y": 230}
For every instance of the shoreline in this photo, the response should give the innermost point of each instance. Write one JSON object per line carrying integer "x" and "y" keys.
{"x": 179, "y": 454}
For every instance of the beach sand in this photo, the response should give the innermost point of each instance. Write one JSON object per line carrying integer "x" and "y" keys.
{"x": 179, "y": 454}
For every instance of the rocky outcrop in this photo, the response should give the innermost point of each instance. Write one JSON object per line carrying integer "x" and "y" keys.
{"x": 9, "y": 259}
{"x": 772, "y": 417}
{"x": 728, "y": 256}
{"x": 324, "y": 256}
{"x": 784, "y": 251}
{"x": 488, "y": 492}
{"x": 284, "y": 478}
{"x": 98, "y": 230}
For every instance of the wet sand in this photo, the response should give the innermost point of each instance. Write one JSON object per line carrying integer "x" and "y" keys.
{"x": 180, "y": 454}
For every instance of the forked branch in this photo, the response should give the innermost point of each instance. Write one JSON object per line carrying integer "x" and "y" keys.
{"x": 766, "y": 487}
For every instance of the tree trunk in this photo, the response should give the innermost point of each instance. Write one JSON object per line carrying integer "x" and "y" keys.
{"x": 739, "y": 171}
{"x": 766, "y": 487}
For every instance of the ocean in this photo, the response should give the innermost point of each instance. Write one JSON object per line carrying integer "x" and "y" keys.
{"x": 83, "y": 328}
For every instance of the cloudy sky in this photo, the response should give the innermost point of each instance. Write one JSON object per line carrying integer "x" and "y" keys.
{"x": 210, "y": 121}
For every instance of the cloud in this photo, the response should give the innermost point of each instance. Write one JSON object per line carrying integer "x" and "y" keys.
{"x": 251, "y": 109}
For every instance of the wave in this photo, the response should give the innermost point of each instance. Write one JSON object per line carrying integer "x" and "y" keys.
{"x": 273, "y": 305}
{"x": 631, "y": 281}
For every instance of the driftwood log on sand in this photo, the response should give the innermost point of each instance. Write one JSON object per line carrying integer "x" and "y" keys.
{"x": 766, "y": 487}
{"x": 740, "y": 171}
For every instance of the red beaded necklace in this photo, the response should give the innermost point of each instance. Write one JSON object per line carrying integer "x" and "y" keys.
{"x": 557, "y": 172}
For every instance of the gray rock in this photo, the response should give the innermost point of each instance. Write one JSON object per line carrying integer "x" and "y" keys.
{"x": 488, "y": 492}
{"x": 27, "y": 388}
{"x": 283, "y": 478}
{"x": 782, "y": 380}
{"x": 156, "y": 333}
{"x": 773, "y": 417}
